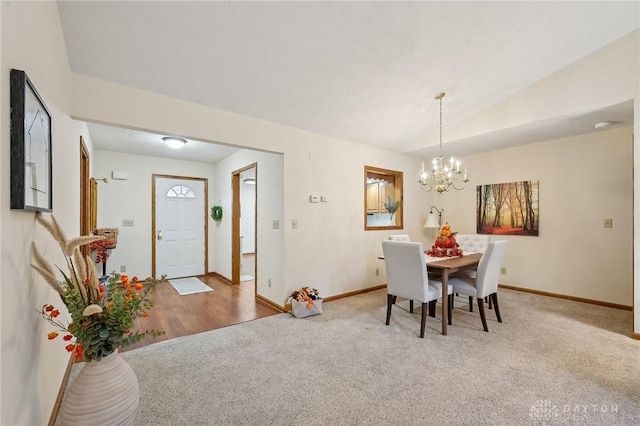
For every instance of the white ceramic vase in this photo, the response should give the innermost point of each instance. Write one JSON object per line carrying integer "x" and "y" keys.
{"x": 104, "y": 393}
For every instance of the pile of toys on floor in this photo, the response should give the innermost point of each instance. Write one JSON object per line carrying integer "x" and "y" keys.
{"x": 304, "y": 302}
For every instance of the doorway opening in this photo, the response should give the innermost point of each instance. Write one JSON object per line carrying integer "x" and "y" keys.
{"x": 244, "y": 227}
{"x": 85, "y": 186}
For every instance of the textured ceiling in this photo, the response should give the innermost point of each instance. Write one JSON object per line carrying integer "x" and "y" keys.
{"x": 360, "y": 71}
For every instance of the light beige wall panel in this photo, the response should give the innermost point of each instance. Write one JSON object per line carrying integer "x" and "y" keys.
{"x": 32, "y": 367}
{"x": 606, "y": 77}
{"x": 131, "y": 199}
{"x": 583, "y": 180}
{"x": 315, "y": 253}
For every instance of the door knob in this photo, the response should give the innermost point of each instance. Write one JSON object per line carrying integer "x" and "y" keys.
{"x": 159, "y": 235}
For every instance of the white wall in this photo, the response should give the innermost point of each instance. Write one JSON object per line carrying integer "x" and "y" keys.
{"x": 606, "y": 77}
{"x": 131, "y": 199}
{"x": 248, "y": 217}
{"x": 583, "y": 180}
{"x": 269, "y": 198}
{"x": 585, "y": 85}
{"x": 32, "y": 367}
{"x": 330, "y": 248}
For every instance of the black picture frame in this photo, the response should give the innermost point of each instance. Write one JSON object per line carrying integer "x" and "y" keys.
{"x": 31, "y": 168}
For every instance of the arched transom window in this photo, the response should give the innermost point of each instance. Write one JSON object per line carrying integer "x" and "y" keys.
{"x": 180, "y": 191}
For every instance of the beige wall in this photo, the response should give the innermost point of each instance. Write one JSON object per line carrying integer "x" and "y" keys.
{"x": 312, "y": 164}
{"x": 131, "y": 199}
{"x": 31, "y": 366}
{"x": 583, "y": 180}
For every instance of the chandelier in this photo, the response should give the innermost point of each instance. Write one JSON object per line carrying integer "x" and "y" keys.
{"x": 444, "y": 174}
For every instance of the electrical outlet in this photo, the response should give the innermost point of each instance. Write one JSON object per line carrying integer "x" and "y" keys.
{"x": 294, "y": 224}
{"x": 608, "y": 223}
{"x": 127, "y": 222}
{"x": 503, "y": 271}
{"x": 377, "y": 272}
{"x": 123, "y": 268}
{"x": 269, "y": 283}
{"x": 276, "y": 224}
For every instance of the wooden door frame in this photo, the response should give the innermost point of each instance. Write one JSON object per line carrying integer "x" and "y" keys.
{"x": 153, "y": 217}
{"x": 236, "y": 256}
{"x": 85, "y": 193}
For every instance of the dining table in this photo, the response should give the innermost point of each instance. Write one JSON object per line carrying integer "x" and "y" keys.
{"x": 447, "y": 266}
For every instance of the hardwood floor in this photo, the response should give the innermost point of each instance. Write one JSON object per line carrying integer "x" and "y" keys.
{"x": 185, "y": 315}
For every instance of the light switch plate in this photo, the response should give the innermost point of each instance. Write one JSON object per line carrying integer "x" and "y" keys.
{"x": 127, "y": 222}
{"x": 608, "y": 223}
{"x": 276, "y": 224}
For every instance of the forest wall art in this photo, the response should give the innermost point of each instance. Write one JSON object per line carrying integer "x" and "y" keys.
{"x": 508, "y": 208}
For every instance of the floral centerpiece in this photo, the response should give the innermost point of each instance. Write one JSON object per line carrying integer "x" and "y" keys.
{"x": 445, "y": 244}
{"x": 102, "y": 314}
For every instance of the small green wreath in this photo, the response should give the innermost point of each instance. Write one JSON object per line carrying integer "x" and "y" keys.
{"x": 216, "y": 213}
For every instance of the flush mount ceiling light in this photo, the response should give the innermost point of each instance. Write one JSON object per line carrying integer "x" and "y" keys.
{"x": 603, "y": 124}
{"x": 250, "y": 180}
{"x": 173, "y": 142}
{"x": 443, "y": 175}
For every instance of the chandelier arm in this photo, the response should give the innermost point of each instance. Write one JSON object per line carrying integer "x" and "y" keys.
{"x": 464, "y": 185}
{"x": 442, "y": 176}
{"x": 426, "y": 187}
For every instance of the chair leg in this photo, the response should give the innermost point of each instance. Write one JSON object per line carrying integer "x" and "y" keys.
{"x": 411, "y": 306}
{"x": 423, "y": 320}
{"x": 390, "y": 298}
{"x": 450, "y": 309}
{"x": 432, "y": 309}
{"x": 394, "y": 299}
{"x": 490, "y": 302}
{"x": 494, "y": 296}
{"x": 470, "y": 304}
{"x": 482, "y": 316}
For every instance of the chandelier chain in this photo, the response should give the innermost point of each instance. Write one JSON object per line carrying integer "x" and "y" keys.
{"x": 443, "y": 175}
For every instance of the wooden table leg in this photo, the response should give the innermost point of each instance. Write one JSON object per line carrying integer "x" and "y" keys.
{"x": 445, "y": 300}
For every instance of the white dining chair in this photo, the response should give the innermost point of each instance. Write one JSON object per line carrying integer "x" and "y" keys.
{"x": 485, "y": 284}
{"x": 472, "y": 243}
{"x": 399, "y": 237}
{"x": 407, "y": 277}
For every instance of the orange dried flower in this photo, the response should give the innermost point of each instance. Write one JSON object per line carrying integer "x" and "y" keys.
{"x": 49, "y": 308}
{"x": 54, "y": 313}
{"x": 135, "y": 278}
{"x": 70, "y": 347}
{"x": 139, "y": 286}
{"x": 68, "y": 337}
{"x": 79, "y": 355}
{"x": 52, "y": 335}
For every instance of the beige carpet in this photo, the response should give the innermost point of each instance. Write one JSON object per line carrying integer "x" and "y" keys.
{"x": 551, "y": 362}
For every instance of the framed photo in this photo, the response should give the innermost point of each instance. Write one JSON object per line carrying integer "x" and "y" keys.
{"x": 31, "y": 174}
{"x": 508, "y": 208}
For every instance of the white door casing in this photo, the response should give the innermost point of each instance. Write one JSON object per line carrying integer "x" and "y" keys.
{"x": 179, "y": 233}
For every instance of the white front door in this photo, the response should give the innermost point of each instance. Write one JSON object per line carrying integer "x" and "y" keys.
{"x": 179, "y": 227}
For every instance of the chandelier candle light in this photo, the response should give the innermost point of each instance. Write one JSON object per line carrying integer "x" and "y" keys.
{"x": 443, "y": 174}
